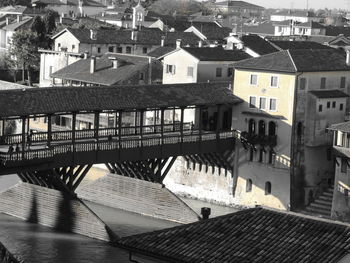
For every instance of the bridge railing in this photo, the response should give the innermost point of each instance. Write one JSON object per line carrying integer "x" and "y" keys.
{"x": 91, "y": 133}
{"x": 126, "y": 142}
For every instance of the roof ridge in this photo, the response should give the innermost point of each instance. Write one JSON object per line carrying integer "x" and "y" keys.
{"x": 291, "y": 58}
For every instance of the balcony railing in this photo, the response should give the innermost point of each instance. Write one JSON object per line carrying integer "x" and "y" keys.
{"x": 265, "y": 140}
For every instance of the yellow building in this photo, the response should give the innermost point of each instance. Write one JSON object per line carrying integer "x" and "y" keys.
{"x": 290, "y": 98}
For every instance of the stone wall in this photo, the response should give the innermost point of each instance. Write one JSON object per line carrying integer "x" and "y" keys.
{"x": 53, "y": 209}
{"x": 142, "y": 197}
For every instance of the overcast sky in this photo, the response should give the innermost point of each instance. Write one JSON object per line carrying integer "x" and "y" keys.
{"x": 316, "y": 4}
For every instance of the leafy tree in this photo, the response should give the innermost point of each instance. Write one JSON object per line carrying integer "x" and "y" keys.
{"x": 50, "y": 21}
{"x": 39, "y": 28}
{"x": 180, "y": 7}
{"x": 15, "y": 2}
{"x": 24, "y": 52}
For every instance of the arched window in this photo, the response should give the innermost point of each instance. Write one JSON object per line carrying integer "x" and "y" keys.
{"x": 272, "y": 128}
{"x": 249, "y": 185}
{"x": 299, "y": 129}
{"x": 262, "y": 127}
{"x": 251, "y": 126}
{"x": 267, "y": 188}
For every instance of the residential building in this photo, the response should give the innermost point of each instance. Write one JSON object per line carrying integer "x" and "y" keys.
{"x": 110, "y": 69}
{"x": 211, "y": 32}
{"x": 291, "y": 27}
{"x": 192, "y": 65}
{"x": 238, "y": 8}
{"x": 290, "y": 99}
{"x": 301, "y": 16}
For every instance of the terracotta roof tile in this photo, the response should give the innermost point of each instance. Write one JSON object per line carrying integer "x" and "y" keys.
{"x": 253, "y": 235}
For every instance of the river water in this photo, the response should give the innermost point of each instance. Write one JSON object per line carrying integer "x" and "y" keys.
{"x": 36, "y": 243}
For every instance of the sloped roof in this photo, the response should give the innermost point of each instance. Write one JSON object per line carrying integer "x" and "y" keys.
{"x": 17, "y": 9}
{"x": 285, "y": 44}
{"x": 258, "y": 44}
{"x": 298, "y": 60}
{"x": 104, "y": 73}
{"x": 328, "y": 94}
{"x": 240, "y": 4}
{"x": 144, "y": 36}
{"x": 214, "y": 32}
{"x": 337, "y": 30}
{"x": 23, "y": 24}
{"x": 310, "y": 24}
{"x": 23, "y": 102}
{"x": 264, "y": 28}
{"x": 252, "y": 235}
{"x": 216, "y": 54}
{"x": 344, "y": 127}
{"x": 298, "y": 13}
{"x": 71, "y": 3}
{"x": 161, "y": 51}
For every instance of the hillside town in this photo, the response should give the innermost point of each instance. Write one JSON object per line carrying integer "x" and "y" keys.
{"x": 222, "y": 125}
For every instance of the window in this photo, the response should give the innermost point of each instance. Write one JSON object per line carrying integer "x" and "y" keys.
{"x": 73, "y": 47}
{"x": 262, "y": 104}
{"x": 251, "y": 155}
{"x": 267, "y": 188}
{"x": 328, "y": 104}
{"x": 333, "y": 104}
{"x": 144, "y": 50}
{"x": 299, "y": 129}
{"x": 344, "y": 164}
{"x": 274, "y": 82}
{"x": 253, "y": 79}
{"x": 190, "y": 71}
{"x": 320, "y": 108}
{"x": 229, "y": 72}
{"x": 141, "y": 76}
{"x": 262, "y": 127}
{"x": 341, "y": 106}
{"x": 249, "y": 185}
{"x": 323, "y": 83}
{"x": 170, "y": 69}
{"x": 128, "y": 50}
{"x": 329, "y": 154}
{"x": 302, "y": 83}
{"x": 98, "y": 50}
{"x": 252, "y": 102}
{"x": 110, "y": 49}
{"x": 272, "y": 128}
{"x": 261, "y": 155}
{"x": 271, "y": 156}
{"x": 251, "y": 126}
{"x": 218, "y": 72}
{"x": 59, "y": 45}
{"x": 342, "y": 82}
{"x": 119, "y": 49}
{"x": 273, "y": 104}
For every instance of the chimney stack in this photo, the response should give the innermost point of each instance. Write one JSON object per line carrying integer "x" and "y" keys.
{"x": 134, "y": 35}
{"x": 86, "y": 54}
{"x": 7, "y": 21}
{"x": 19, "y": 18}
{"x": 92, "y": 65}
{"x": 205, "y": 211}
{"x": 178, "y": 43}
{"x": 348, "y": 57}
{"x": 115, "y": 62}
{"x": 162, "y": 41}
{"x": 93, "y": 34}
{"x": 200, "y": 43}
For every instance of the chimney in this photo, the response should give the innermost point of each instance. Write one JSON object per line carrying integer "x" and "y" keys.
{"x": 93, "y": 34}
{"x": 92, "y": 64}
{"x": 7, "y": 21}
{"x": 348, "y": 57}
{"x": 134, "y": 35}
{"x": 86, "y": 55}
{"x": 149, "y": 70}
{"x": 178, "y": 43}
{"x": 162, "y": 41}
{"x": 205, "y": 212}
{"x": 19, "y": 18}
{"x": 115, "y": 62}
{"x": 200, "y": 43}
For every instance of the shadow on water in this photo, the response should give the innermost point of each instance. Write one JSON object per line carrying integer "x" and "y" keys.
{"x": 66, "y": 217}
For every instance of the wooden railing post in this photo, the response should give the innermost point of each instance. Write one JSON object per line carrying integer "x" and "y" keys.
{"x": 182, "y": 125}
{"x": 120, "y": 123}
{"x": 218, "y": 123}
{"x": 49, "y": 130}
{"x": 200, "y": 122}
{"x": 74, "y": 122}
{"x": 141, "y": 126}
{"x": 23, "y": 136}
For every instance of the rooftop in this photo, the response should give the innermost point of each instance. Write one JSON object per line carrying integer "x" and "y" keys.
{"x": 298, "y": 60}
{"x": 239, "y": 4}
{"x": 24, "y": 102}
{"x": 343, "y": 127}
{"x": 258, "y": 44}
{"x": 263, "y": 28}
{"x": 287, "y": 44}
{"x": 160, "y": 52}
{"x": 70, "y": 2}
{"x": 216, "y": 54}
{"x": 105, "y": 74}
{"x": 310, "y": 24}
{"x": 252, "y": 235}
{"x": 24, "y": 23}
{"x": 325, "y": 94}
{"x": 295, "y": 13}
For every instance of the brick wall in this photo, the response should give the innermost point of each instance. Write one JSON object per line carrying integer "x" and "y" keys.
{"x": 138, "y": 196}
{"x": 54, "y": 209}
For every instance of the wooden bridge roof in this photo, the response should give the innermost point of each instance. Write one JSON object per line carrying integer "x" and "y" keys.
{"x": 33, "y": 101}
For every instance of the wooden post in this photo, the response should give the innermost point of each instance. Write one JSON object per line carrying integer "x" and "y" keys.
{"x": 182, "y": 124}
{"x": 200, "y": 122}
{"x": 23, "y": 135}
{"x": 218, "y": 122}
{"x": 162, "y": 124}
{"x": 141, "y": 127}
{"x": 174, "y": 119}
{"x": 116, "y": 123}
{"x": 3, "y": 127}
{"x": 135, "y": 122}
{"x": 74, "y": 122}
{"x": 49, "y": 130}
{"x": 155, "y": 121}
{"x": 120, "y": 123}
{"x": 97, "y": 123}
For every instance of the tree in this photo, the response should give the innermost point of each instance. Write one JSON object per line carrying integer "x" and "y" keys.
{"x": 50, "y": 21}
{"x": 24, "y": 52}
{"x": 39, "y": 28}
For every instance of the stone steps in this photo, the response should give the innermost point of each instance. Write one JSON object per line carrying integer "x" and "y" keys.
{"x": 323, "y": 204}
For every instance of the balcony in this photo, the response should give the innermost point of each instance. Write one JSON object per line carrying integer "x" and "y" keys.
{"x": 264, "y": 140}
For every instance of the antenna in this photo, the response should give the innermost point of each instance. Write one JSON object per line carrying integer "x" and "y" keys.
{"x": 307, "y": 4}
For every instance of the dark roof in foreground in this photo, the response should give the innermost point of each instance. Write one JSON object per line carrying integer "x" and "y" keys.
{"x": 23, "y": 102}
{"x": 286, "y": 44}
{"x": 298, "y": 60}
{"x": 344, "y": 127}
{"x": 329, "y": 94}
{"x": 216, "y": 54}
{"x": 258, "y": 44}
{"x": 252, "y": 235}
